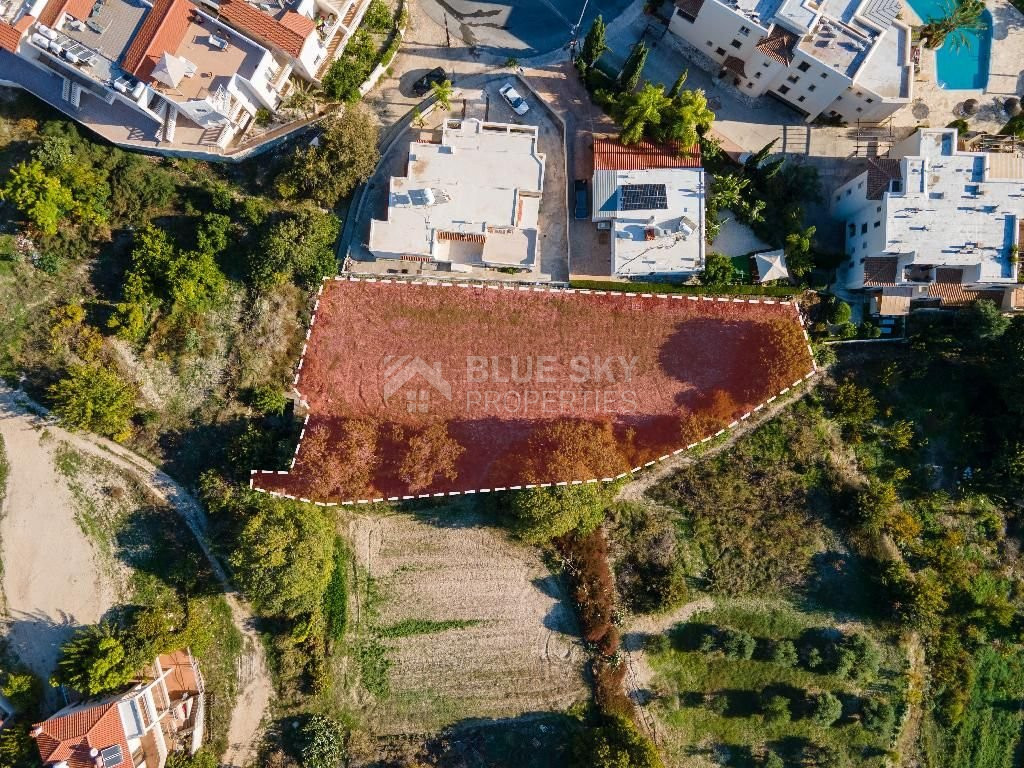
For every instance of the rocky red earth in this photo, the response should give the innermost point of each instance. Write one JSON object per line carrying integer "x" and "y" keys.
{"x": 433, "y": 388}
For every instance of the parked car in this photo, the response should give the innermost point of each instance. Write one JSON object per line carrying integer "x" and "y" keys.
{"x": 582, "y": 199}
{"x": 424, "y": 84}
{"x": 511, "y": 95}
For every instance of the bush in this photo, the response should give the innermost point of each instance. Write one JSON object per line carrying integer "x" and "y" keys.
{"x": 657, "y": 644}
{"x": 776, "y": 710}
{"x": 615, "y": 743}
{"x": 95, "y": 661}
{"x": 718, "y": 703}
{"x": 839, "y": 311}
{"x": 736, "y": 644}
{"x": 542, "y": 514}
{"x": 783, "y": 652}
{"x": 826, "y": 708}
{"x": 323, "y": 742}
{"x": 718, "y": 270}
{"x": 95, "y": 398}
{"x": 877, "y": 716}
{"x": 846, "y": 331}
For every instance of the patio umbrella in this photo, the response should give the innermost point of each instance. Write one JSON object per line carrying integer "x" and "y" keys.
{"x": 169, "y": 70}
{"x": 971, "y": 107}
{"x": 1012, "y": 107}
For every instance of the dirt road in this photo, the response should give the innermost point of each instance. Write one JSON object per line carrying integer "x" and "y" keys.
{"x": 40, "y": 514}
{"x": 52, "y": 580}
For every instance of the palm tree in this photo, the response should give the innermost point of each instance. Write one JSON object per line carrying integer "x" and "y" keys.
{"x": 305, "y": 97}
{"x": 961, "y": 17}
{"x": 643, "y": 110}
{"x": 442, "y": 91}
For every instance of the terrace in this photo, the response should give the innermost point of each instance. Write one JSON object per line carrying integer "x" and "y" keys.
{"x": 838, "y": 45}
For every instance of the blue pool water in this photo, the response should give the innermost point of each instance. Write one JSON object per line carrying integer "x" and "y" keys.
{"x": 961, "y": 68}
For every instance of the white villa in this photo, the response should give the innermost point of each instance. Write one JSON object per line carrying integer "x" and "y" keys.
{"x": 471, "y": 200}
{"x": 848, "y": 59}
{"x": 169, "y": 74}
{"x": 652, "y": 198}
{"x": 932, "y": 221}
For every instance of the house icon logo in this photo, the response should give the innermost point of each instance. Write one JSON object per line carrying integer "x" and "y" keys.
{"x": 399, "y": 371}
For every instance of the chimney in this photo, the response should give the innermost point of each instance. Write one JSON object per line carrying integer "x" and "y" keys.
{"x": 36, "y": 732}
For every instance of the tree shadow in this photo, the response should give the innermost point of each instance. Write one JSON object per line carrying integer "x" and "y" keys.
{"x": 35, "y": 640}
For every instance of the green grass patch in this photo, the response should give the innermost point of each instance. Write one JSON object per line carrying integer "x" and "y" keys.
{"x": 336, "y": 596}
{"x": 412, "y": 627}
{"x": 987, "y": 736}
{"x": 741, "y": 266}
{"x": 374, "y": 665}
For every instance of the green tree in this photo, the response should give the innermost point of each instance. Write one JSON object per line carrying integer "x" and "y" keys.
{"x": 17, "y": 748}
{"x": 985, "y": 321}
{"x": 686, "y": 119}
{"x": 442, "y": 92}
{"x": 677, "y": 87}
{"x": 737, "y": 644}
{"x": 839, "y": 311}
{"x": 826, "y": 708}
{"x": 799, "y": 258}
{"x": 959, "y": 18}
{"x": 346, "y": 156}
{"x": 268, "y": 399}
{"x": 718, "y": 270}
{"x": 323, "y": 742}
{"x": 784, "y": 652}
{"x": 642, "y": 111}
{"x": 773, "y": 760}
{"x": 594, "y": 44}
{"x": 283, "y": 555}
{"x": 629, "y": 77}
{"x": 299, "y": 247}
{"x": 877, "y": 715}
{"x": 39, "y": 195}
{"x": 542, "y": 514}
{"x": 94, "y": 661}
{"x": 615, "y": 743}
{"x": 94, "y": 397}
{"x": 776, "y": 710}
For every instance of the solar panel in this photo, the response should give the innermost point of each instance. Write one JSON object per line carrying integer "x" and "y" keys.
{"x": 112, "y": 756}
{"x": 642, "y": 197}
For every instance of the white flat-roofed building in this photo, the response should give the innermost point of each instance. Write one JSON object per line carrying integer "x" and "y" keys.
{"x": 471, "y": 200}
{"x": 849, "y": 59}
{"x": 945, "y": 222}
{"x": 653, "y": 200}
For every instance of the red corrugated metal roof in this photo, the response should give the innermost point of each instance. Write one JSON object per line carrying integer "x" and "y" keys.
{"x": 161, "y": 32}
{"x": 289, "y": 34}
{"x": 611, "y": 155}
{"x": 70, "y": 738}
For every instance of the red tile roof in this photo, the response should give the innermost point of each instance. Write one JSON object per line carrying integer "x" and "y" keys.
{"x": 610, "y": 155}
{"x": 78, "y": 8}
{"x": 881, "y": 170}
{"x": 778, "y": 45}
{"x": 951, "y": 275}
{"x": 880, "y": 270}
{"x": 955, "y": 295}
{"x": 10, "y": 35}
{"x": 289, "y": 34}
{"x": 690, "y": 7}
{"x": 161, "y": 32}
{"x": 72, "y": 736}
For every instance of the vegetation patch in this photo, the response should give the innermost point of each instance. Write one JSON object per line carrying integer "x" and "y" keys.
{"x": 411, "y": 627}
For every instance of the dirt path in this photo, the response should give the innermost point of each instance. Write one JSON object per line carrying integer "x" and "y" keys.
{"x": 20, "y": 415}
{"x": 52, "y": 579}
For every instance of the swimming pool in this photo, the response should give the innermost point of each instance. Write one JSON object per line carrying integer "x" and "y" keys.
{"x": 963, "y": 68}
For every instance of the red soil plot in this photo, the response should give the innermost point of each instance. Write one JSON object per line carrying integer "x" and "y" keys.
{"x": 417, "y": 389}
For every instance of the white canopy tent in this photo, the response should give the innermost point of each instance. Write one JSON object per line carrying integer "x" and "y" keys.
{"x": 771, "y": 265}
{"x": 170, "y": 70}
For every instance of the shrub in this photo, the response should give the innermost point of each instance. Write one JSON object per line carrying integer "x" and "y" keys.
{"x": 718, "y": 270}
{"x": 657, "y": 644}
{"x": 718, "y": 703}
{"x": 846, "y": 330}
{"x": 776, "y": 710}
{"x": 268, "y": 399}
{"x": 323, "y": 742}
{"x": 94, "y": 661}
{"x": 736, "y": 644}
{"x": 772, "y": 760}
{"x": 95, "y": 398}
{"x": 542, "y": 514}
{"x": 783, "y": 652}
{"x": 877, "y": 715}
{"x": 826, "y": 708}
{"x": 616, "y": 742}
{"x": 839, "y": 311}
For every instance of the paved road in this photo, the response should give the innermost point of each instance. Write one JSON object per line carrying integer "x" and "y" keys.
{"x": 519, "y": 28}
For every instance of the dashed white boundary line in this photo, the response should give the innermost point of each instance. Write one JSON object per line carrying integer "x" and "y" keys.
{"x": 536, "y": 288}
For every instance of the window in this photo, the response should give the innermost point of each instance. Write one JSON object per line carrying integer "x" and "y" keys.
{"x": 750, "y": 85}
{"x": 745, "y": 31}
{"x": 859, "y": 93}
{"x": 793, "y": 78}
{"x": 849, "y": 192}
{"x": 859, "y": 109}
{"x": 720, "y": 51}
{"x": 869, "y": 101}
{"x": 811, "y": 87}
{"x": 757, "y": 75}
{"x": 860, "y": 185}
{"x": 878, "y": 209}
{"x": 801, "y": 98}
{"x": 878, "y": 224}
{"x": 824, "y": 75}
{"x": 736, "y": 44}
{"x": 803, "y": 66}
{"x": 783, "y": 89}
{"x": 838, "y": 198}
{"x": 864, "y": 228}
{"x": 765, "y": 64}
{"x": 839, "y": 98}
{"x": 853, "y": 230}
{"x": 710, "y": 43}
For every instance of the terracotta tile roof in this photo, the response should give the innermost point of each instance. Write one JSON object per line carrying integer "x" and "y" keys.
{"x": 78, "y": 8}
{"x": 734, "y": 64}
{"x": 955, "y": 295}
{"x": 951, "y": 275}
{"x": 880, "y": 270}
{"x": 461, "y": 237}
{"x": 71, "y": 737}
{"x": 9, "y": 37}
{"x": 690, "y": 7}
{"x": 610, "y": 155}
{"x": 881, "y": 170}
{"x": 161, "y": 32}
{"x": 289, "y": 34}
{"x": 778, "y": 45}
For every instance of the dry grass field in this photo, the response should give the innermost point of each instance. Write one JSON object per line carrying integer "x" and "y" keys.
{"x": 456, "y": 621}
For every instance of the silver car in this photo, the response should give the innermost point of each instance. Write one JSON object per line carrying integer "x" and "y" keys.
{"x": 517, "y": 102}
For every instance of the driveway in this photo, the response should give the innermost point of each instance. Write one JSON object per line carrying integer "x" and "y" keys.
{"x": 520, "y": 28}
